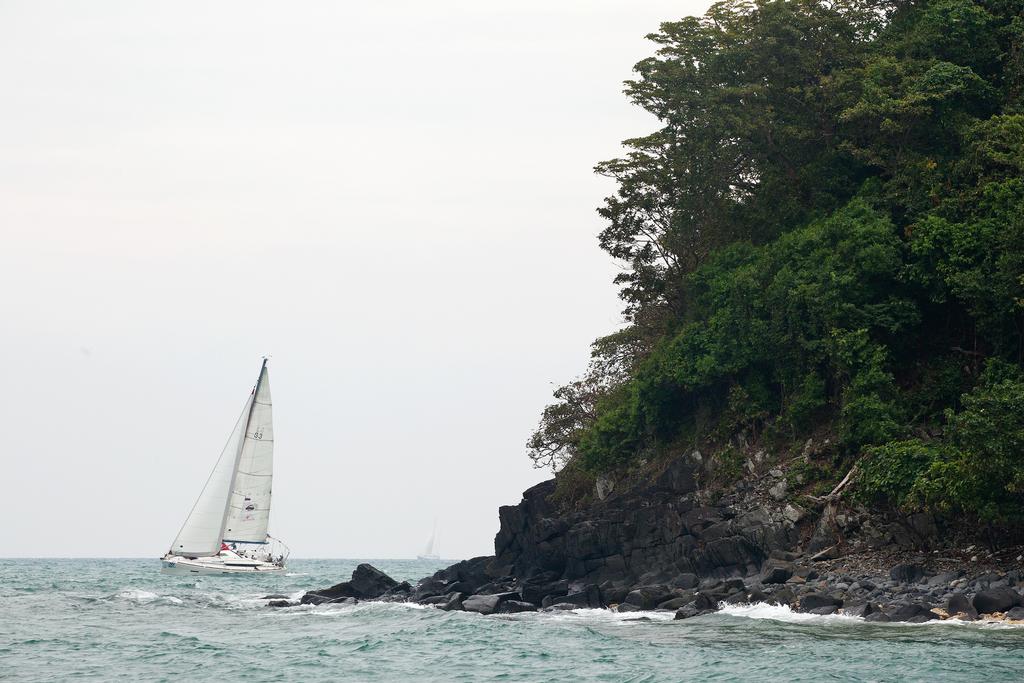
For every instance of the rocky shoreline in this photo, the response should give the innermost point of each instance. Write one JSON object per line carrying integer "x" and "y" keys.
{"x": 662, "y": 542}
{"x": 910, "y": 593}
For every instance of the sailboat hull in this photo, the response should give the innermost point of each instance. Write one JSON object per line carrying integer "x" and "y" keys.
{"x": 216, "y": 566}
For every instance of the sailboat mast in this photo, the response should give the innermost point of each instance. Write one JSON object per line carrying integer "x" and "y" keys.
{"x": 241, "y": 445}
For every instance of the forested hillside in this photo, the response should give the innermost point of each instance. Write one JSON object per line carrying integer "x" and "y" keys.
{"x": 824, "y": 236}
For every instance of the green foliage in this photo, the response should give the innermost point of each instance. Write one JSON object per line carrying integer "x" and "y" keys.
{"x": 981, "y": 470}
{"x": 727, "y": 466}
{"x": 824, "y": 232}
{"x": 816, "y": 477}
{"x": 888, "y": 473}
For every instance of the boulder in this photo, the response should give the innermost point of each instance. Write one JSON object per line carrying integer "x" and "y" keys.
{"x": 483, "y": 604}
{"x": 812, "y": 601}
{"x": 433, "y": 600}
{"x": 827, "y": 609}
{"x": 776, "y": 571}
{"x": 1016, "y": 614}
{"x": 367, "y": 583}
{"x": 960, "y": 606}
{"x": 708, "y": 600}
{"x": 398, "y": 593}
{"x": 878, "y": 616}
{"x": 675, "y": 603}
{"x": 281, "y": 603}
{"x": 784, "y": 596}
{"x": 451, "y": 602}
{"x": 996, "y": 600}
{"x": 914, "y": 613}
{"x": 536, "y": 591}
{"x": 906, "y": 573}
{"x": 589, "y": 597}
{"x": 691, "y": 610}
{"x": 648, "y": 597}
{"x": 686, "y": 580}
{"x": 862, "y": 611}
{"x": 559, "y": 607}
{"x": 515, "y": 606}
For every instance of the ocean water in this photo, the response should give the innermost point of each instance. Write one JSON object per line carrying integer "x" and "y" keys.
{"x": 123, "y": 620}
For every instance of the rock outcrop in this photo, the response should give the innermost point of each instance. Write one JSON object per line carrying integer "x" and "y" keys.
{"x": 367, "y": 583}
{"x": 662, "y": 531}
{"x": 663, "y": 543}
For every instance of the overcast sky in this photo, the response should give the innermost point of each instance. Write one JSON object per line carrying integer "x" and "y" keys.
{"x": 395, "y": 199}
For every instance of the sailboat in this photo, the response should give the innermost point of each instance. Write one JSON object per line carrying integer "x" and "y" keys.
{"x": 430, "y": 552}
{"x": 226, "y": 531}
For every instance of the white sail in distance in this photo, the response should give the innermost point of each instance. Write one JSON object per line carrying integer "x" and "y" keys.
{"x": 248, "y": 510}
{"x": 200, "y": 536}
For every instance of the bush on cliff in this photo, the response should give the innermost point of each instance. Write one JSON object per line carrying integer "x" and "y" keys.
{"x": 825, "y": 233}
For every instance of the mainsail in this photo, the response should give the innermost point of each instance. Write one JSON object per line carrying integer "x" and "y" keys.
{"x": 431, "y": 549}
{"x": 235, "y": 502}
{"x": 249, "y": 508}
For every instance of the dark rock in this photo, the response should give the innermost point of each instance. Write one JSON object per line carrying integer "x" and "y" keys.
{"x": 878, "y": 616}
{"x": 483, "y": 604}
{"x": 281, "y": 603}
{"x": 996, "y": 600}
{"x": 709, "y": 599}
{"x": 626, "y": 607}
{"x": 535, "y": 592}
{"x": 784, "y": 596}
{"x": 589, "y": 597}
{"x": 614, "y": 595}
{"x": 676, "y": 603}
{"x": 648, "y": 597}
{"x": 862, "y": 611}
{"x": 691, "y": 610}
{"x": 515, "y": 606}
{"x": 274, "y": 596}
{"x": 827, "y": 609}
{"x": 960, "y": 606}
{"x": 914, "y": 613}
{"x": 811, "y": 601}
{"x": 559, "y": 607}
{"x": 451, "y": 602}
{"x": 906, "y": 573}
{"x": 399, "y": 593}
{"x": 942, "y": 579}
{"x": 367, "y": 583}
{"x": 686, "y": 580}
{"x": 776, "y": 571}
{"x": 434, "y": 600}
{"x": 1017, "y": 614}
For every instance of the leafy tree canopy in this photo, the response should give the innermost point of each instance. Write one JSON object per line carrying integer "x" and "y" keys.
{"x": 825, "y": 230}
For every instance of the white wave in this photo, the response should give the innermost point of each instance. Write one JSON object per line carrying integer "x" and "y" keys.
{"x": 583, "y": 615}
{"x": 137, "y": 595}
{"x": 144, "y": 596}
{"x": 762, "y": 610}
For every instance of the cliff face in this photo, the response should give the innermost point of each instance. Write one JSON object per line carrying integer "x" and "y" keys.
{"x": 648, "y": 533}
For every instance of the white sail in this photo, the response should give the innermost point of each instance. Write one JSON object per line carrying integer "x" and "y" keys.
{"x": 201, "y": 534}
{"x": 430, "y": 552}
{"x": 248, "y": 510}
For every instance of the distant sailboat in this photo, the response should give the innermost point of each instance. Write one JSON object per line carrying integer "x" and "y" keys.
{"x": 226, "y": 531}
{"x": 430, "y": 552}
